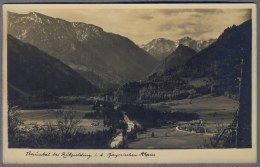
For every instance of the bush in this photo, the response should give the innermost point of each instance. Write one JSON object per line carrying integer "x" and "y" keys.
{"x": 225, "y": 137}
{"x": 64, "y": 133}
{"x": 13, "y": 126}
{"x": 58, "y": 134}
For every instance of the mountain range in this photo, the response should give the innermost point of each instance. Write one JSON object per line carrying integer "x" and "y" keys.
{"x": 99, "y": 56}
{"x": 52, "y": 56}
{"x": 161, "y": 47}
{"x": 177, "y": 58}
{"x": 215, "y": 70}
{"x": 32, "y": 72}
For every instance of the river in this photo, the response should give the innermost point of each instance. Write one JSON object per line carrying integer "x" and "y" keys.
{"x": 119, "y": 137}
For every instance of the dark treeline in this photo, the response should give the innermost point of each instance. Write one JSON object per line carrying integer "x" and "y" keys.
{"x": 112, "y": 116}
{"x": 35, "y": 103}
{"x": 149, "y": 117}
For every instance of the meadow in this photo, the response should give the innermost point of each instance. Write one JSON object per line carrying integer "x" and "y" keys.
{"x": 214, "y": 111}
{"x": 45, "y": 116}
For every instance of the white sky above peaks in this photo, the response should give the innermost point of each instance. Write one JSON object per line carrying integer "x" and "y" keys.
{"x": 143, "y": 25}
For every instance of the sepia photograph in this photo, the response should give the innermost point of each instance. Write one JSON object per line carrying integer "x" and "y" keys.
{"x": 123, "y": 78}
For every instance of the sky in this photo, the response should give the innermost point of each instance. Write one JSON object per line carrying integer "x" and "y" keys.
{"x": 143, "y": 25}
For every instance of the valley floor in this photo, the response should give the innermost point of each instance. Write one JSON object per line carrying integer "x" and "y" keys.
{"x": 168, "y": 137}
{"x": 216, "y": 112}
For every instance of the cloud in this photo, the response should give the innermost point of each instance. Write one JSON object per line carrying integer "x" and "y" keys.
{"x": 145, "y": 17}
{"x": 176, "y": 11}
{"x": 248, "y": 15}
{"x": 194, "y": 31}
{"x": 143, "y": 25}
{"x": 166, "y": 27}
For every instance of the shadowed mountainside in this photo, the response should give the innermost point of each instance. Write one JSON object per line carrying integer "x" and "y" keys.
{"x": 177, "y": 58}
{"x": 33, "y": 72}
{"x": 84, "y": 47}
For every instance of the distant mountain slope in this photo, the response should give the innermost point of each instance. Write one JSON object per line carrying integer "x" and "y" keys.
{"x": 31, "y": 72}
{"x": 84, "y": 47}
{"x": 197, "y": 45}
{"x": 177, "y": 58}
{"x": 222, "y": 60}
{"x": 16, "y": 94}
{"x": 215, "y": 70}
{"x": 98, "y": 81}
{"x": 161, "y": 48}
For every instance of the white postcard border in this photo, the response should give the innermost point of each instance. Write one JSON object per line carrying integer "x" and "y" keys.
{"x": 18, "y": 156}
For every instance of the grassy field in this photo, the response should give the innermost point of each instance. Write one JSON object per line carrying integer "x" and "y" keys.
{"x": 44, "y": 116}
{"x": 210, "y": 109}
{"x": 168, "y": 137}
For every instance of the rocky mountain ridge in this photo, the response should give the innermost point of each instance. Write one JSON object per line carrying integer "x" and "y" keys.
{"x": 84, "y": 47}
{"x": 161, "y": 47}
